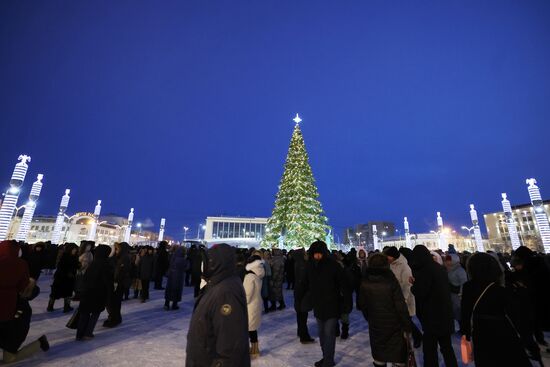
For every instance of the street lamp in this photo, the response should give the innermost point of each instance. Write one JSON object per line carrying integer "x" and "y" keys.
{"x": 469, "y": 229}
{"x": 185, "y": 229}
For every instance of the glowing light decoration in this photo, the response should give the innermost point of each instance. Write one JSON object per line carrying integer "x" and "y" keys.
{"x": 477, "y": 231}
{"x": 56, "y": 234}
{"x": 540, "y": 214}
{"x": 375, "y": 238}
{"x": 12, "y": 195}
{"x": 129, "y": 228}
{"x": 161, "y": 230}
{"x": 297, "y": 215}
{"x": 93, "y": 229}
{"x": 510, "y": 223}
{"x": 441, "y": 233}
{"x": 408, "y": 242}
{"x": 30, "y": 207}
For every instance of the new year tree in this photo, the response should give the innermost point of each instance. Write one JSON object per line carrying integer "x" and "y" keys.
{"x": 297, "y": 219}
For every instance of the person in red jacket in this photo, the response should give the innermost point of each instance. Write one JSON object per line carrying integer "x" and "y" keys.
{"x": 16, "y": 288}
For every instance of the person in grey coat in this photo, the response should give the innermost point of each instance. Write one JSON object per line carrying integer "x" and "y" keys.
{"x": 218, "y": 331}
{"x": 457, "y": 277}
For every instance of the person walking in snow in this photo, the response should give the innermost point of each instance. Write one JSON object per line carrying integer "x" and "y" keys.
{"x": 253, "y": 290}
{"x": 325, "y": 280}
{"x": 457, "y": 277}
{"x": 97, "y": 285}
{"x": 145, "y": 271}
{"x": 175, "y": 279}
{"x": 64, "y": 278}
{"x": 433, "y": 307}
{"x": 218, "y": 330}
{"x": 403, "y": 273}
{"x": 383, "y": 305}
{"x": 277, "y": 279}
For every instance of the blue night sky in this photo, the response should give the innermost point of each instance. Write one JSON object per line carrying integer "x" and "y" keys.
{"x": 184, "y": 109}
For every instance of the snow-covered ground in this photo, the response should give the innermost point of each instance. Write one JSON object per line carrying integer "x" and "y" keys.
{"x": 151, "y": 336}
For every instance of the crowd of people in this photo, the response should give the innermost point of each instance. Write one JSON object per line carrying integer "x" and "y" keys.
{"x": 409, "y": 298}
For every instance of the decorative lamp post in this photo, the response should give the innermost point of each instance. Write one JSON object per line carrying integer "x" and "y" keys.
{"x": 540, "y": 214}
{"x": 358, "y": 234}
{"x": 185, "y": 229}
{"x": 512, "y": 230}
{"x": 12, "y": 195}
{"x": 29, "y": 209}
{"x": 129, "y": 228}
{"x": 56, "y": 234}
{"x": 477, "y": 231}
{"x": 161, "y": 230}
{"x": 440, "y": 232}
{"x": 407, "y": 233}
{"x": 97, "y": 211}
{"x": 375, "y": 237}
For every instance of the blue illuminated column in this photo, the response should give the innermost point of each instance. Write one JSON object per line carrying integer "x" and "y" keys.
{"x": 56, "y": 234}
{"x": 512, "y": 230}
{"x": 477, "y": 231}
{"x": 408, "y": 243}
{"x": 12, "y": 195}
{"x": 29, "y": 209}
{"x": 540, "y": 214}
{"x": 129, "y": 228}
{"x": 161, "y": 231}
{"x": 93, "y": 229}
{"x": 375, "y": 237}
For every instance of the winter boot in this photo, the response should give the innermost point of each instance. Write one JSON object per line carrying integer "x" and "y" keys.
{"x": 175, "y": 306}
{"x": 273, "y": 306}
{"x": 337, "y": 329}
{"x": 282, "y": 305}
{"x": 345, "y": 331}
{"x": 166, "y": 305}
{"x": 50, "y": 305}
{"x": 136, "y": 293}
{"x": 67, "y": 305}
{"x": 254, "y": 350}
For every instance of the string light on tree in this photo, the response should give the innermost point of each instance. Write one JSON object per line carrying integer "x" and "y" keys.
{"x": 297, "y": 218}
{"x": 29, "y": 209}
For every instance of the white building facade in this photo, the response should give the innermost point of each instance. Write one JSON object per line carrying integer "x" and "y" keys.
{"x": 236, "y": 231}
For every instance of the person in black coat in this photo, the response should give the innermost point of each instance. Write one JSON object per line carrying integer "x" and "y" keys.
{"x": 175, "y": 282}
{"x": 383, "y": 306}
{"x": 289, "y": 270}
{"x": 218, "y": 331}
{"x": 162, "y": 261}
{"x": 302, "y": 300}
{"x": 36, "y": 260}
{"x": 122, "y": 268}
{"x": 326, "y": 282}
{"x": 488, "y": 317}
{"x": 64, "y": 278}
{"x": 198, "y": 258}
{"x": 145, "y": 271}
{"x": 97, "y": 285}
{"x": 433, "y": 307}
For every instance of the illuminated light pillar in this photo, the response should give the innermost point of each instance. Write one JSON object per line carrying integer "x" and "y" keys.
{"x": 375, "y": 237}
{"x": 540, "y": 214}
{"x": 56, "y": 234}
{"x": 129, "y": 228}
{"x": 512, "y": 230}
{"x": 441, "y": 233}
{"x": 477, "y": 231}
{"x": 408, "y": 243}
{"x": 10, "y": 199}
{"x": 97, "y": 211}
{"x": 29, "y": 209}
{"x": 161, "y": 230}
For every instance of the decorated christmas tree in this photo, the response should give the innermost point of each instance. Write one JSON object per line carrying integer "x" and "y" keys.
{"x": 297, "y": 219}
